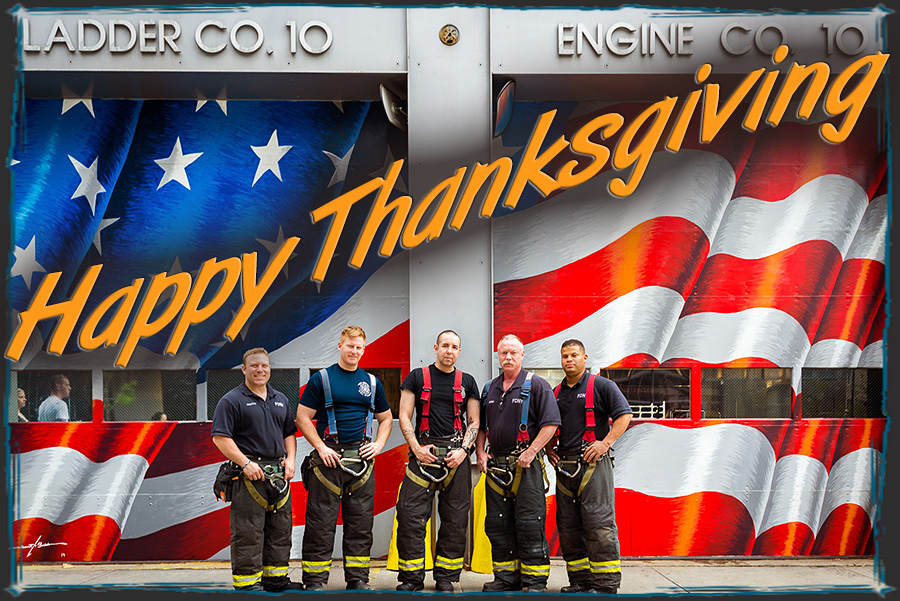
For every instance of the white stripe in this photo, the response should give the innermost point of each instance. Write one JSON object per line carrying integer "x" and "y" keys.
{"x": 720, "y": 337}
{"x": 61, "y": 485}
{"x": 731, "y": 459}
{"x": 852, "y": 480}
{"x": 695, "y": 185}
{"x": 833, "y": 353}
{"x": 871, "y": 235}
{"x": 377, "y": 307}
{"x": 798, "y": 488}
{"x": 172, "y": 499}
{"x": 827, "y": 208}
{"x": 638, "y": 322}
{"x": 872, "y": 355}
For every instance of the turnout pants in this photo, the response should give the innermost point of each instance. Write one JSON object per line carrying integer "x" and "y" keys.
{"x": 329, "y": 491}
{"x": 413, "y": 511}
{"x": 514, "y": 524}
{"x": 586, "y": 521}
{"x": 260, "y": 537}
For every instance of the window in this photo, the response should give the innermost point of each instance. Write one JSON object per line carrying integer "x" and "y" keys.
{"x": 745, "y": 393}
{"x": 36, "y": 385}
{"x": 220, "y": 381}
{"x": 841, "y": 393}
{"x": 149, "y": 395}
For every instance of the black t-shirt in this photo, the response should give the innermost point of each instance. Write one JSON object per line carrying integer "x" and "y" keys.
{"x": 609, "y": 403}
{"x": 441, "y": 411}
{"x": 501, "y": 412}
{"x": 258, "y": 427}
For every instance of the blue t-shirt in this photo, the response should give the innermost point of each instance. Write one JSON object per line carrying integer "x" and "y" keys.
{"x": 350, "y": 393}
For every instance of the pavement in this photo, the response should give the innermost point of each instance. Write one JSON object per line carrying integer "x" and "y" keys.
{"x": 640, "y": 577}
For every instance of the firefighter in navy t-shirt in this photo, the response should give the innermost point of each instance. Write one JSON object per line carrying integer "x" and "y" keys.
{"x": 585, "y": 493}
{"x": 518, "y": 417}
{"x": 444, "y": 398}
{"x": 344, "y": 400}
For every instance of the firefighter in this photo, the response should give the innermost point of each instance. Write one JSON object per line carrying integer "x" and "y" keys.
{"x": 344, "y": 400}
{"x": 585, "y": 494}
{"x": 438, "y": 463}
{"x": 253, "y": 427}
{"x": 519, "y": 415}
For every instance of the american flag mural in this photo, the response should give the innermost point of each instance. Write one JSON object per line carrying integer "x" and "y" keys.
{"x": 760, "y": 249}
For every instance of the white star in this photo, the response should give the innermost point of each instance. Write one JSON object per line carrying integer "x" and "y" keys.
{"x": 13, "y": 162}
{"x": 339, "y": 104}
{"x": 388, "y": 161}
{"x": 26, "y": 263}
{"x": 340, "y": 165}
{"x": 221, "y": 101}
{"x": 104, "y": 223}
{"x": 90, "y": 186}
{"x": 273, "y": 247}
{"x": 70, "y": 100}
{"x": 174, "y": 166}
{"x": 269, "y": 155}
{"x": 176, "y": 268}
{"x": 246, "y": 327}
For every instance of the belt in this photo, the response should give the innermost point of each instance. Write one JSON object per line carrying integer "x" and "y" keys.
{"x": 350, "y": 460}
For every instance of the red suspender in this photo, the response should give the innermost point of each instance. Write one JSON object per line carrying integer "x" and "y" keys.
{"x": 589, "y": 434}
{"x": 426, "y": 400}
{"x": 457, "y": 402}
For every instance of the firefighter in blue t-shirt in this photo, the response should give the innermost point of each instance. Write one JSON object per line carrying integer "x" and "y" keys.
{"x": 585, "y": 493}
{"x": 344, "y": 400}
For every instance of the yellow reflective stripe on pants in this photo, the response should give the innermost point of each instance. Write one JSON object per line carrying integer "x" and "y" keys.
{"x": 535, "y": 570}
{"x": 604, "y": 567}
{"x": 241, "y": 580}
{"x": 274, "y": 571}
{"x": 316, "y": 566}
{"x": 506, "y": 566}
{"x": 578, "y": 564}
{"x": 411, "y": 565}
{"x": 447, "y": 563}
{"x": 356, "y": 561}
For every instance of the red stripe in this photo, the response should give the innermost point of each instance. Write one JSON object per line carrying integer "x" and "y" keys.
{"x": 814, "y": 438}
{"x": 389, "y": 350}
{"x": 845, "y": 531}
{"x": 89, "y": 538}
{"x": 786, "y": 158}
{"x": 793, "y": 538}
{"x": 854, "y": 302}
{"x": 876, "y": 332}
{"x": 188, "y": 446}
{"x": 198, "y": 538}
{"x": 97, "y": 442}
{"x": 636, "y": 360}
{"x": 740, "y": 362}
{"x": 550, "y": 529}
{"x": 665, "y": 251}
{"x": 797, "y": 280}
{"x": 856, "y": 434}
{"x": 704, "y": 523}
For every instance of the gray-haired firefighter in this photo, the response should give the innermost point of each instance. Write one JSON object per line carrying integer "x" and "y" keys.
{"x": 438, "y": 463}
{"x": 585, "y": 493}
{"x": 519, "y": 415}
{"x": 344, "y": 400}
{"x": 253, "y": 427}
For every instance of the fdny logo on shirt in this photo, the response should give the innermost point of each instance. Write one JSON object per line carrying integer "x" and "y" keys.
{"x": 581, "y": 395}
{"x": 364, "y": 389}
{"x": 516, "y": 401}
{"x": 277, "y": 404}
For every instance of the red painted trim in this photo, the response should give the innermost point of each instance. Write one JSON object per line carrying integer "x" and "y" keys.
{"x": 695, "y": 393}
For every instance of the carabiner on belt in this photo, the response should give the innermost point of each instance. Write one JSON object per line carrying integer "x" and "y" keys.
{"x": 564, "y": 471}
{"x": 441, "y": 465}
{"x": 344, "y": 460}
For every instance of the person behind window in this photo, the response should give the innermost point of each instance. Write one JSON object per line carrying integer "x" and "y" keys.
{"x": 20, "y": 395}
{"x": 54, "y": 408}
{"x": 160, "y": 416}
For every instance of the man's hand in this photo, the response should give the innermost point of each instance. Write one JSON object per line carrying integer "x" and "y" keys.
{"x": 552, "y": 456}
{"x": 482, "y": 459}
{"x": 288, "y": 469}
{"x": 424, "y": 454}
{"x": 596, "y": 448}
{"x": 253, "y": 471}
{"x": 370, "y": 449}
{"x": 329, "y": 456}
{"x": 526, "y": 457}
{"x": 455, "y": 458}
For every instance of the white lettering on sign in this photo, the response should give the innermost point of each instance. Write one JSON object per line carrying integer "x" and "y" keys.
{"x": 623, "y": 38}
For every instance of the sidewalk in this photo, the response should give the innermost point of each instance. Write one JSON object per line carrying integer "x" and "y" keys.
{"x": 639, "y": 576}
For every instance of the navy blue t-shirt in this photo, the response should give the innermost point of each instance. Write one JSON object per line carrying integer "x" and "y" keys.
{"x": 257, "y": 426}
{"x": 350, "y": 397}
{"x": 501, "y": 412}
{"x": 609, "y": 403}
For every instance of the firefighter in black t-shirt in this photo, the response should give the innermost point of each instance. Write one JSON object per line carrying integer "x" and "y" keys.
{"x": 444, "y": 398}
{"x": 585, "y": 493}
